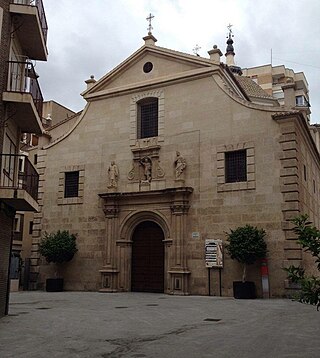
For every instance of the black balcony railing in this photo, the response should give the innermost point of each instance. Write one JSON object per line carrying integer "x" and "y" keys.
{"x": 42, "y": 15}
{"x": 17, "y": 172}
{"x": 23, "y": 78}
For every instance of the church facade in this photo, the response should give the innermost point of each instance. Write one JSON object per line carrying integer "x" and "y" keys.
{"x": 172, "y": 150}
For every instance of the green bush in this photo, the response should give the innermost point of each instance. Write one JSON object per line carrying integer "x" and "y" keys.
{"x": 58, "y": 247}
{"x": 246, "y": 245}
{"x": 309, "y": 239}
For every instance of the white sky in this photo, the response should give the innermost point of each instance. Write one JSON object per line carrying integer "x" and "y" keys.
{"x": 91, "y": 37}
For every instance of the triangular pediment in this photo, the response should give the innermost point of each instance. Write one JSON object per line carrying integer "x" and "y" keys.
{"x": 165, "y": 64}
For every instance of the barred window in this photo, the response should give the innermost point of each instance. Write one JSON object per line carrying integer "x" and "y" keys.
{"x": 236, "y": 166}
{"x": 71, "y": 184}
{"x": 147, "y": 118}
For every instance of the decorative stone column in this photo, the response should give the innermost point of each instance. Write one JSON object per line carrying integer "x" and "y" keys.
{"x": 179, "y": 272}
{"x": 109, "y": 271}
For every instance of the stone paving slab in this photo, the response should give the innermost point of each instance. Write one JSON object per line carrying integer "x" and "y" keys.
{"x": 89, "y": 324}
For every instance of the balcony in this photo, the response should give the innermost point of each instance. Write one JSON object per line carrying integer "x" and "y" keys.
{"x": 31, "y": 27}
{"x": 301, "y": 82}
{"x": 19, "y": 182}
{"x": 24, "y": 91}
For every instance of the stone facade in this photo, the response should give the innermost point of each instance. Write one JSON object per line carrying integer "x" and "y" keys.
{"x": 203, "y": 113}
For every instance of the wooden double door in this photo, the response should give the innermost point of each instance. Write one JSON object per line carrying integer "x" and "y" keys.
{"x": 147, "y": 264}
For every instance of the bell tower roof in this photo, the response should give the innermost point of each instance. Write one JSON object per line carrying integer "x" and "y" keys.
{"x": 230, "y": 53}
{"x": 230, "y": 48}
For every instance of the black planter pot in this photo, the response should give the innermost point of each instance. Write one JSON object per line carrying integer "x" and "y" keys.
{"x": 54, "y": 284}
{"x": 244, "y": 289}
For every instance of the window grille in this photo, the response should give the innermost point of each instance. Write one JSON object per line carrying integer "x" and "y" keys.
{"x": 236, "y": 166}
{"x": 71, "y": 184}
{"x": 148, "y": 118}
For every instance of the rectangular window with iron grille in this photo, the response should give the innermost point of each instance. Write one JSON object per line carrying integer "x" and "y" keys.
{"x": 236, "y": 166}
{"x": 148, "y": 118}
{"x": 71, "y": 184}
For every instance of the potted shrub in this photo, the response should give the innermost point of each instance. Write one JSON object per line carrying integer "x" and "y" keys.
{"x": 246, "y": 245}
{"x": 57, "y": 247}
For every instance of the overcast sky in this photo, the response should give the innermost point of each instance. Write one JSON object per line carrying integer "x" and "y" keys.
{"x": 91, "y": 37}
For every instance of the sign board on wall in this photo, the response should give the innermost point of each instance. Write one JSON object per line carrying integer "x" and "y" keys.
{"x": 213, "y": 253}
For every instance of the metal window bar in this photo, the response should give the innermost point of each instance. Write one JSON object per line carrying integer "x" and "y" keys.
{"x": 148, "y": 121}
{"x": 23, "y": 78}
{"x": 26, "y": 178}
{"x": 42, "y": 15}
{"x": 236, "y": 166}
{"x": 71, "y": 184}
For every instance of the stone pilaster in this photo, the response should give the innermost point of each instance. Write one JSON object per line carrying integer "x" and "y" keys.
{"x": 109, "y": 272}
{"x": 37, "y": 223}
{"x": 179, "y": 272}
{"x": 289, "y": 176}
{"x": 290, "y": 188}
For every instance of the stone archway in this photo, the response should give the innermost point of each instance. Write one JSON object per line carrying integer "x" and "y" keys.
{"x": 124, "y": 212}
{"x": 148, "y": 258}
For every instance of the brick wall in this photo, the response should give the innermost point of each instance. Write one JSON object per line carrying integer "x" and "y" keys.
{"x": 6, "y": 222}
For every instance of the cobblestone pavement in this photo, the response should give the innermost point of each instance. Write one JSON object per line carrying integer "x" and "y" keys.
{"x": 83, "y": 324}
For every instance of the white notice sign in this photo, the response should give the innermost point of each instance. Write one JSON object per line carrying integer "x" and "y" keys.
{"x": 213, "y": 253}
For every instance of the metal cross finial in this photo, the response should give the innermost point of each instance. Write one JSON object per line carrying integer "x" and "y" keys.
{"x": 196, "y": 49}
{"x": 230, "y": 30}
{"x": 150, "y": 28}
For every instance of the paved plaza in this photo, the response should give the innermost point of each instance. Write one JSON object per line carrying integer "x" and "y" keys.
{"x": 89, "y": 324}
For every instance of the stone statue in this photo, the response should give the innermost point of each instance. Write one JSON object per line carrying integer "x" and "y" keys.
{"x": 113, "y": 174}
{"x": 180, "y": 165}
{"x": 147, "y": 167}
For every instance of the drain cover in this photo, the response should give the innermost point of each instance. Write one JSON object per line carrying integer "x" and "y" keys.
{"x": 152, "y": 305}
{"x": 121, "y": 307}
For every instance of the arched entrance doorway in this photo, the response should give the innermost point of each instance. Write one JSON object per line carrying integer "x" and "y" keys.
{"x": 147, "y": 263}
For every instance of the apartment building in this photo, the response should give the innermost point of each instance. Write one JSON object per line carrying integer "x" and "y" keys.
{"x": 23, "y": 35}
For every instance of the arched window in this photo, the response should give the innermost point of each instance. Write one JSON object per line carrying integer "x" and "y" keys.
{"x": 147, "y": 121}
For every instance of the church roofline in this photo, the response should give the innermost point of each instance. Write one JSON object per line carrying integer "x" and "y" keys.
{"x": 170, "y": 79}
{"x": 226, "y": 67}
{"x": 65, "y": 120}
{"x": 201, "y": 61}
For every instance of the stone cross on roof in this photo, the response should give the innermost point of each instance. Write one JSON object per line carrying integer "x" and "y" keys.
{"x": 150, "y": 28}
{"x": 196, "y": 50}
